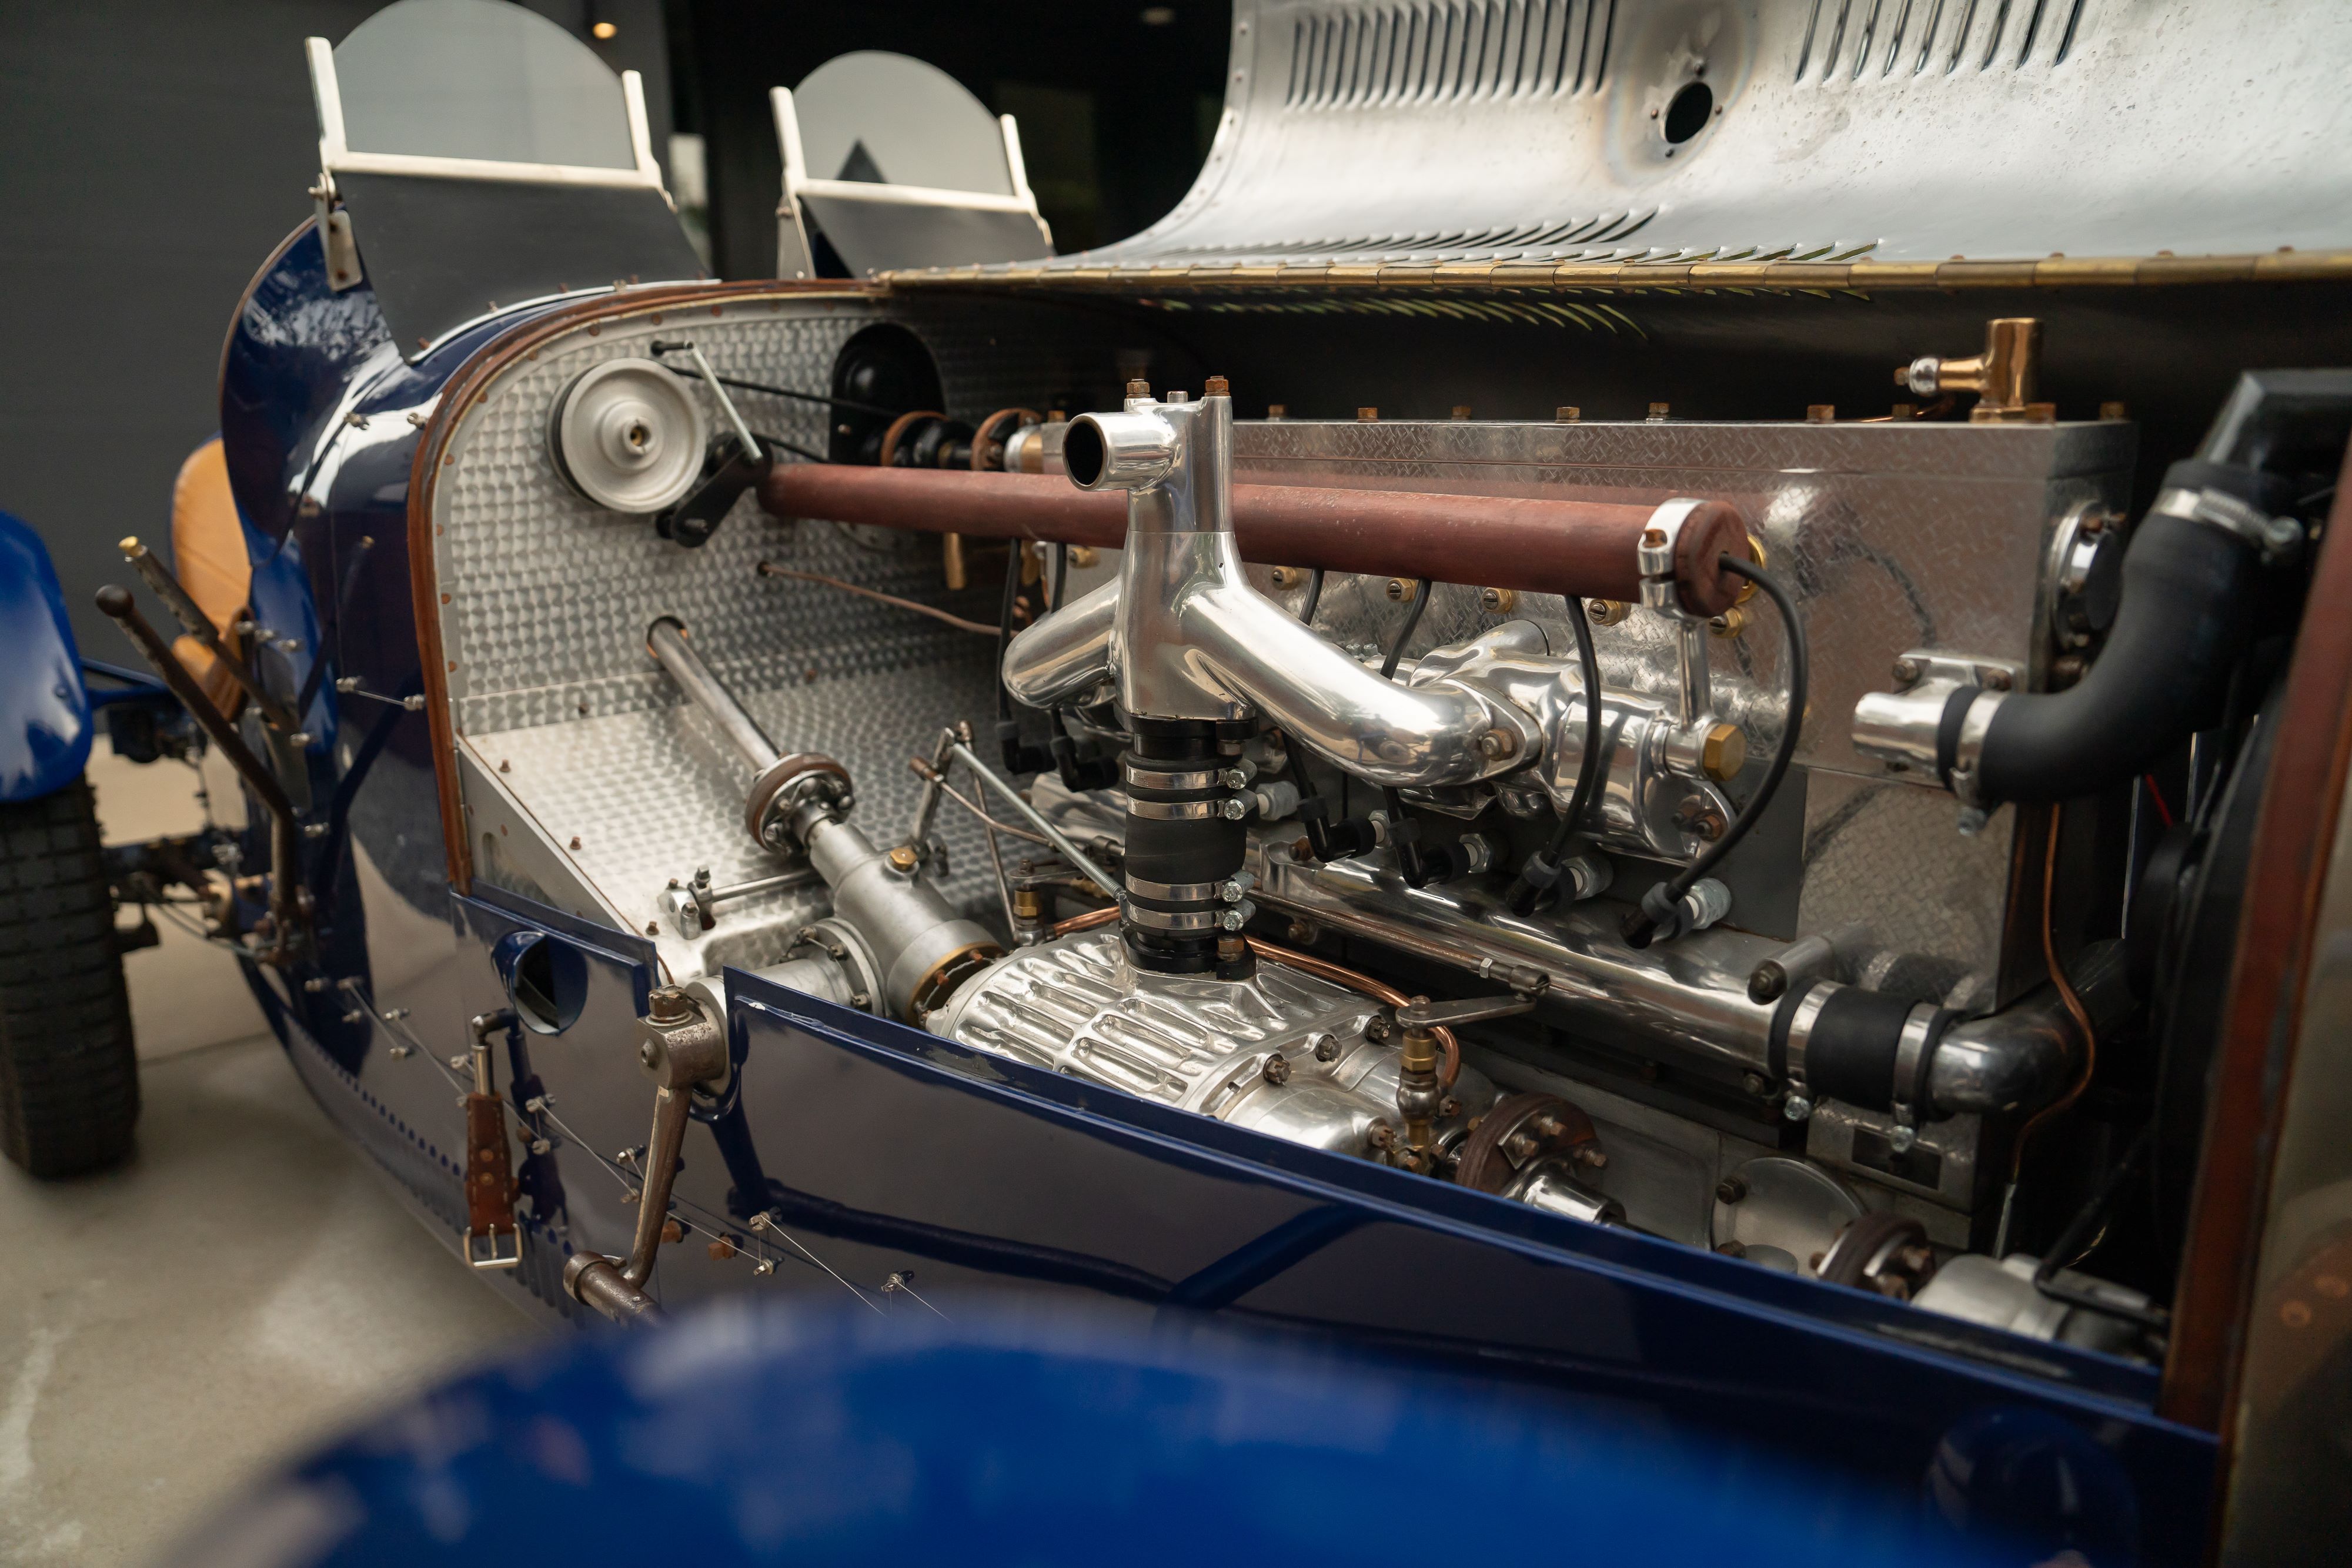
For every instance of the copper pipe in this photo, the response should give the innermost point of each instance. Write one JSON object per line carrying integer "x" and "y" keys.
{"x": 1583, "y": 548}
{"x": 1340, "y": 974}
{"x": 1306, "y": 963}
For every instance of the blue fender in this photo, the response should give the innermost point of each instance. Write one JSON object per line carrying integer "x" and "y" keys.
{"x": 45, "y": 726}
{"x": 986, "y": 1428}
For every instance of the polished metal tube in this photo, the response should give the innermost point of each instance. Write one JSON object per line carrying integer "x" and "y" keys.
{"x": 1690, "y": 996}
{"x": 1061, "y": 840}
{"x": 666, "y": 640}
{"x": 2026, "y": 1055}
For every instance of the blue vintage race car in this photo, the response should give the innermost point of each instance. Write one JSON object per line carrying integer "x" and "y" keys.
{"x": 1429, "y": 755}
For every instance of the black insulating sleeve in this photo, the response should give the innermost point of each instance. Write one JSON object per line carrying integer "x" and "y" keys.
{"x": 1201, "y": 850}
{"x": 1850, "y": 1051}
{"x": 2189, "y": 591}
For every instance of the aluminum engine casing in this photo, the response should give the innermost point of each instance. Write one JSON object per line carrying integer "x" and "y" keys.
{"x": 1076, "y": 1006}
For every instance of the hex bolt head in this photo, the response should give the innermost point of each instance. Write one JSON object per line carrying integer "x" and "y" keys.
{"x": 1996, "y": 680}
{"x": 1498, "y": 744}
{"x": 1277, "y": 1068}
{"x": 667, "y": 1004}
{"x": 1725, "y": 753}
{"x": 1730, "y": 1189}
{"x": 1902, "y": 1139}
{"x": 1797, "y": 1108}
{"x": 1905, "y": 671}
{"x": 1327, "y": 1048}
{"x": 1235, "y": 809}
{"x": 902, "y": 859}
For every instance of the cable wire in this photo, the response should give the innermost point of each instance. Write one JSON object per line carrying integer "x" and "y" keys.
{"x": 1641, "y": 925}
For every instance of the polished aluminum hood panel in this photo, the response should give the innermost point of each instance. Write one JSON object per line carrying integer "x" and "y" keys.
{"x": 1420, "y": 131}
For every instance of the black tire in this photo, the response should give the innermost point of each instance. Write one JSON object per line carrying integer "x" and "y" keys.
{"x": 68, "y": 1069}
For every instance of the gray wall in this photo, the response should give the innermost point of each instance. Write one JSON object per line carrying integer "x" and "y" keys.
{"x": 152, "y": 155}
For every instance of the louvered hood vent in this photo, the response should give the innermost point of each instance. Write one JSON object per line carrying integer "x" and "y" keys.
{"x": 1417, "y": 131}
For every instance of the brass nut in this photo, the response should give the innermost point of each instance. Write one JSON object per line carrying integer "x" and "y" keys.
{"x": 1606, "y": 612}
{"x": 1084, "y": 555}
{"x": 902, "y": 858}
{"x": 1726, "y": 752}
{"x": 1400, "y": 589}
{"x": 1287, "y": 577}
{"x": 1498, "y": 601}
{"x": 1498, "y": 744}
{"x": 1732, "y": 622}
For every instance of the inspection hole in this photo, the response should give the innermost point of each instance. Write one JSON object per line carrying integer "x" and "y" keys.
{"x": 1687, "y": 115}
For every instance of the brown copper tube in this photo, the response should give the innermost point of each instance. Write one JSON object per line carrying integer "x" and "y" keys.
{"x": 1306, "y": 963}
{"x": 1583, "y": 548}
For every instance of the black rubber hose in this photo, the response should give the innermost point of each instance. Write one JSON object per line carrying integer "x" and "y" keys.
{"x": 2190, "y": 592}
{"x": 1314, "y": 596}
{"x": 1643, "y": 923}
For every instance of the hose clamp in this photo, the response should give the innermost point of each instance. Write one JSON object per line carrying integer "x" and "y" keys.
{"x": 2276, "y": 539}
{"x": 1655, "y": 552}
{"x": 1800, "y": 1029}
{"x": 1967, "y": 752}
{"x": 1911, "y": 1053}
{"x": 1175, "y": 810}
{"x": 1173, "y": 892}
{"x": 1143, "y": 777}
{"x": 1167, "y": 920}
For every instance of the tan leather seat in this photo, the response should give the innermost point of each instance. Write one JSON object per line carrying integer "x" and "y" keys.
{"x": 209, "y": 555}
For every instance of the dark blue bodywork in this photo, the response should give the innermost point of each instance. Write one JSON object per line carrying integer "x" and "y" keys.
{"x": 45, "y": 710}
{"x": 890, "y": 1152}
{"x": 957, "y": 1430}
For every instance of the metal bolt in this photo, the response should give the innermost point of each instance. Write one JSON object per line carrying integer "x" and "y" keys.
{"x": 1327, "y": 1048}
{"x": 765, "y": 1266}
{"x": 1755, "y": 1083}
{"x": 1606, "y": 612}
{"x": 903, "y": 858}
{"x": 1277, "y": 1068}
{"x": 1901, "y": 1138}
{"x": 1590, "y": 1156}
{"x": 1400, "y": 589}
{"x": 1235, "y": 807}
{"x": 1906, "y": 670}
{"x": 1765, "y": 983}
{"x": 1797, "y": 1108}
{"x": 1233, "y": 919}
{"x": 1732, "y": 622}
{"x": 1730, "y": 1189}
{"x": 653, "y": 927}
{"x": 1449, "y": 1107}
{"x": 1381, "y": 1135}
{"x": 667, "y": 1004}
{"x": 1498, "y": 601}
{"x": 504, "y": 765}
{"x": 1996, "y": 680}
{"x": 1498, "y": 744}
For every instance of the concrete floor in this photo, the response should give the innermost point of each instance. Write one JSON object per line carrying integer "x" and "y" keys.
{"x": 243, "y": 1287}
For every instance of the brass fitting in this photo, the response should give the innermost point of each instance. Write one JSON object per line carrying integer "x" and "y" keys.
{"x": 1289, "y": 576}
{"x": 1498, "y": 601}
{"x": 1726, "y": 751}
{"x": 2002, "y": 376}
{"x": 1401, "y": 588}
{"x": 1606, "y": 612}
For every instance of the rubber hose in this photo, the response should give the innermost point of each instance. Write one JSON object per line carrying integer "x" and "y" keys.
{"x": 2189, "y": 590}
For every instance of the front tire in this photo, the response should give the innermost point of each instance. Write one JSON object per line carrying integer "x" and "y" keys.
{"x": 69, "y": 1069}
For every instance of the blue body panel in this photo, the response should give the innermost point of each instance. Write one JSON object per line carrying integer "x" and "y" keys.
{"x": 44, "y": 723}
{"x": 957, "y": 1430}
